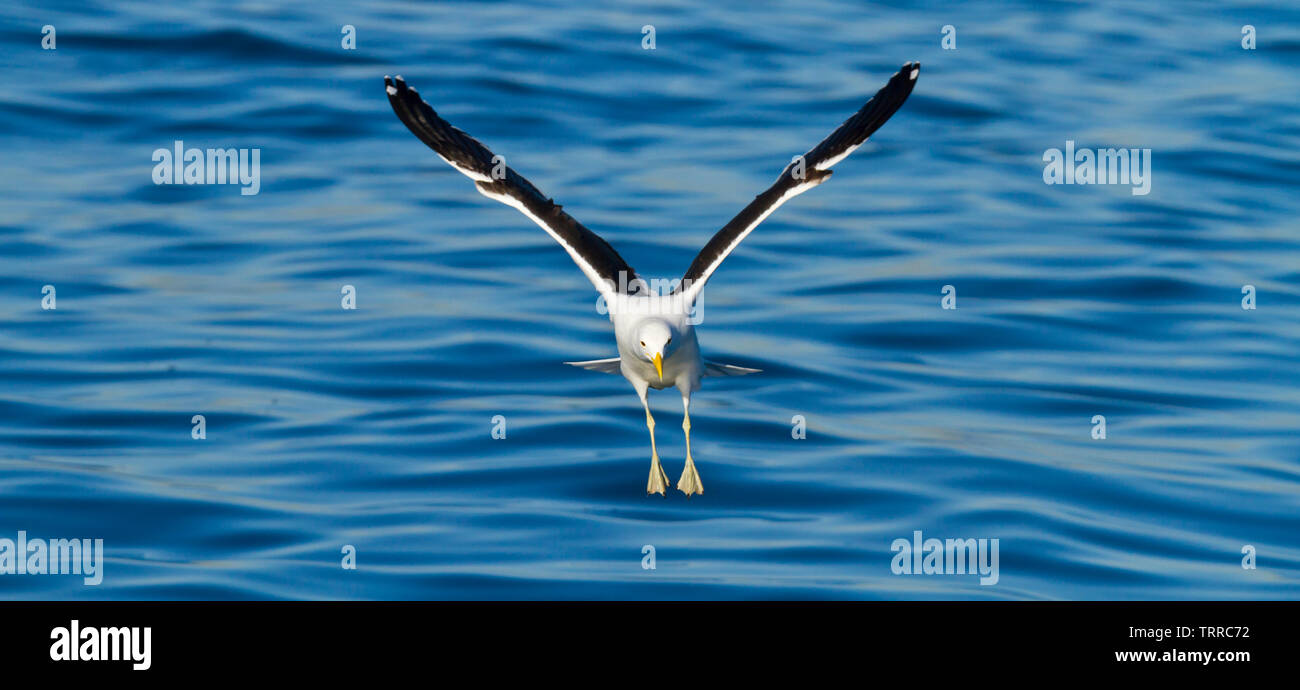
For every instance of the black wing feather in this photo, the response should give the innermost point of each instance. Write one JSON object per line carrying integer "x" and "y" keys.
{"x": 815, "y": 170}
{"x": 472, "y": 158}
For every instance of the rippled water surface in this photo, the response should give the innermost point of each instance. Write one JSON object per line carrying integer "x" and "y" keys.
{"x": 373, "y": 427}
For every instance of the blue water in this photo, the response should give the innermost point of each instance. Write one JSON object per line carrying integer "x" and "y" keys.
{"x": 372, "y": 427}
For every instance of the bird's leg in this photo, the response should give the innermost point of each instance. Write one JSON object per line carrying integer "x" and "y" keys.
{"x": 658, "y": 479}
{"x": 690, "y": 481}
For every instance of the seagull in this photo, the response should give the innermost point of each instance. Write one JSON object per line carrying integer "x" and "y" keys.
{"x": 655, "y": 333}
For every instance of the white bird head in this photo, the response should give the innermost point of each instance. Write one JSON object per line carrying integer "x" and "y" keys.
{"x": 656, "y": 339}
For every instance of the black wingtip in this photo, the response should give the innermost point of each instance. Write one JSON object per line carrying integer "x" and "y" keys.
{"x": 397, "y": 89}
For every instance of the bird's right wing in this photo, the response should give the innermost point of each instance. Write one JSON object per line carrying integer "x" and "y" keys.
{"x": 602, "y": 265}
{"x": 799, "y": 177}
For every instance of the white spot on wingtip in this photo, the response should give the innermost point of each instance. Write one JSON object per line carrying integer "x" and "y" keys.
{"x": 391, "y": 91}
{"x": 915, "y": 71}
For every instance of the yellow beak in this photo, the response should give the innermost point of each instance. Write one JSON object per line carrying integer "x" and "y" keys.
{"x": 659, "y": 365}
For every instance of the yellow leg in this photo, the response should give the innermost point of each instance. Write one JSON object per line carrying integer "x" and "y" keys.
{"x": 658, "y": 482}
{"x": 690, "y": 482}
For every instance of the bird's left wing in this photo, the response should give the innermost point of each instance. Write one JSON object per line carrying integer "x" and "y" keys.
{"x": 800, "y": 176}
{"x": 609, "y": 366}
{"x": 602, "y": 265}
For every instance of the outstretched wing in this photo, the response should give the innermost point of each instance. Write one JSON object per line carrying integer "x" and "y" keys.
{"x": 609, "y": 366}
{"x": 800, "y": 176}
{"x": 603, "y": 266}
{"x": 715, "y": 369}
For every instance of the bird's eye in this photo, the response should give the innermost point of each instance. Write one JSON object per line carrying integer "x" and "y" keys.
{"x": 670, "y": 340}
{"x": 642, "y": 343}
